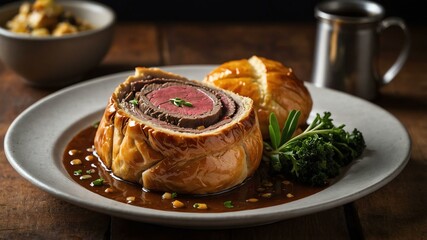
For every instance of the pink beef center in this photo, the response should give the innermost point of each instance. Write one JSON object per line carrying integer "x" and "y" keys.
{"x": 201, "y": 102}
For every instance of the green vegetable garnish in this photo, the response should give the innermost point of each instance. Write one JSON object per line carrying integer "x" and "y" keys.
{"x": 97, "y": 182}
{"x": 174, "y": 195}
{"x": 228, "y": 204}
{"x": 134, "y": 102}
{"x": 180, "y": 102}
{"x": 315, "y": 155}
{"x": 78, "y": 172}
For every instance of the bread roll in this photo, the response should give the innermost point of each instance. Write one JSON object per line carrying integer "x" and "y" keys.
{"x": 164, "y": 145}
{"x": 272, "y": 86}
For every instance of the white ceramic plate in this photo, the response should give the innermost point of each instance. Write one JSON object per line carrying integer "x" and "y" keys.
{"x": 36, "y": 140}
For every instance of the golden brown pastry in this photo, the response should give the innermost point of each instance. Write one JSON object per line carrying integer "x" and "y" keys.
{"x": 169, "y": 133}
{"x": 272, "y": 86}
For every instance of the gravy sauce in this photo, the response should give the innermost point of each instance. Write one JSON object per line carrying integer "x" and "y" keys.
{"x": 261, "y": 190}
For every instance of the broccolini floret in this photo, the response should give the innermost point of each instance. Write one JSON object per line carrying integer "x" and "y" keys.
{"x": 315, "y": 155}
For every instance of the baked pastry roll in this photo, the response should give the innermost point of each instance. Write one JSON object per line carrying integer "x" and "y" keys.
{"x": 272, "y": 86}
{"x": 169, "y": 133}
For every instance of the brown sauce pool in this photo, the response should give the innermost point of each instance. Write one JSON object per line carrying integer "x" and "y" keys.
{"x": 261, "y": 190}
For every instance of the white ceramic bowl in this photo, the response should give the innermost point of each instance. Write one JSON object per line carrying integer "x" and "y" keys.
{"x": 57, "y": 61}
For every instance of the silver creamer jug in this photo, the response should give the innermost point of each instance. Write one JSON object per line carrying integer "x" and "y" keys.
{"x": 347, "y": 44}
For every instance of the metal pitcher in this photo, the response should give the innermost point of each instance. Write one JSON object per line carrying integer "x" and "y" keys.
{"x": 347, "y": 45}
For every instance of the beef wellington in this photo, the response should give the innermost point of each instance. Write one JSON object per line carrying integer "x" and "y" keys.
{"x": 169, "y": 133}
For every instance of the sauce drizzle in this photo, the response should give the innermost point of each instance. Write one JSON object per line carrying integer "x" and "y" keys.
{"x": 261, "y": 190}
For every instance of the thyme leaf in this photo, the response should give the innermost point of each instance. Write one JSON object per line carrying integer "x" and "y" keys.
{"x": 134, "y": 102}
{"x": 180, "y": 102}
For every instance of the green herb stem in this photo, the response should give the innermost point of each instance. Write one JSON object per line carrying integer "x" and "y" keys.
{"x": 301, "y": 136}
{"x": 180, "y": 102}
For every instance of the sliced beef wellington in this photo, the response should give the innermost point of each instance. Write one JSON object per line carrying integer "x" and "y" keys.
{"x": 273, "y": 87}
{"x": 169, "y": 133}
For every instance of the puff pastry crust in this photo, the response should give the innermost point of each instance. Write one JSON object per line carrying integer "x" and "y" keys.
{"x": 163, "y": 158}
{"x": 272, "y": 86}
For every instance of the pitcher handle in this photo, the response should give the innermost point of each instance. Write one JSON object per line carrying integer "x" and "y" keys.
{"x": 401, "y": 59}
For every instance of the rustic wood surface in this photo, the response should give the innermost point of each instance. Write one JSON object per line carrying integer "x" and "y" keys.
{"x": 396, "y": 211}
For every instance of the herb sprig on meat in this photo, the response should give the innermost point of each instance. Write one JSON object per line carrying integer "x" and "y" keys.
{"x": 315, "y": 155}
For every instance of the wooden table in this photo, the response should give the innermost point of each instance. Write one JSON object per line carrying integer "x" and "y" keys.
{"x": 396, "y": 211}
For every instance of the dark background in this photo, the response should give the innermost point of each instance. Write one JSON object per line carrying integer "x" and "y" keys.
{"x": 412, "y": 11}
